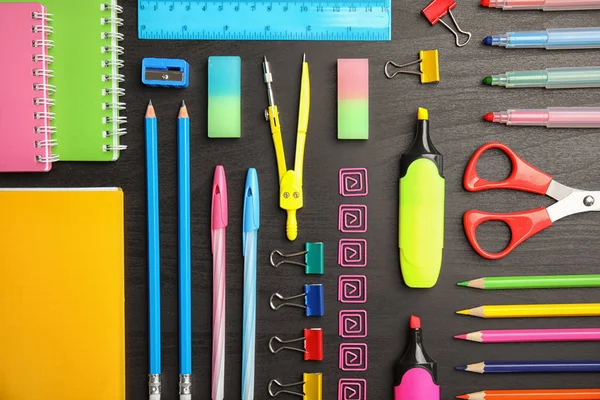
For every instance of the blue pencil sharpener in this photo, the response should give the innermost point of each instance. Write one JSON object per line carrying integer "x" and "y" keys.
{"x": 165, "y": 72}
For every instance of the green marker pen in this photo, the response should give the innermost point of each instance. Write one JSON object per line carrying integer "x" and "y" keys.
{"x": 421, "y": 229}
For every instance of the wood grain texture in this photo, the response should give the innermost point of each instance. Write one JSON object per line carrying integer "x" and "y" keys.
{"x": 456, "y": 106}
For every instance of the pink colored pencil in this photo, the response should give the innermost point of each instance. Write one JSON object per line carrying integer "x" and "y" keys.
{"x": 533, "y": 335}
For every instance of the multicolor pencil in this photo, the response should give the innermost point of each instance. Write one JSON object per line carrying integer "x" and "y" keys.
{"x": 505, "y": 367}
{"x": 534, "y": 310}
{"x": 533, "y": 335}
{"x": 538, "y": 394}
{"x": 533, "y": 282}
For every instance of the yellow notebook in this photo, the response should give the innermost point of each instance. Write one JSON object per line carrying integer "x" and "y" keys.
{"x": 62, "y": 310}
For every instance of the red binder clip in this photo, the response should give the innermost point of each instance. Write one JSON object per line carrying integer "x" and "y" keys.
{"x": 313, "y": 344}
{"x": 437, "y": 9}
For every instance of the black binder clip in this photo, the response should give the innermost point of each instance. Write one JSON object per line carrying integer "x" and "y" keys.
{"x": 438, "y": 9}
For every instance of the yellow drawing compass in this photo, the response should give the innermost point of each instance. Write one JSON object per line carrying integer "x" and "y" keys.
{"x": 291, "y": 196}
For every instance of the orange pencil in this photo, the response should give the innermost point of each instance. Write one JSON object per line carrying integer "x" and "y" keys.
{"x": 541, "y": 394}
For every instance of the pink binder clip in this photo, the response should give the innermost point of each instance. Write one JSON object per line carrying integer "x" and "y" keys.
{"x": 438, "y": 9}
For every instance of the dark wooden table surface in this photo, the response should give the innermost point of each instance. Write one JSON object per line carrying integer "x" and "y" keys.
{"x": 456, "y": 105}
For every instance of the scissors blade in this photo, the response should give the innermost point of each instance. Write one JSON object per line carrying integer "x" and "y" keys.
{"x": 577, "y": 201}
{"x": 558, "y": 191}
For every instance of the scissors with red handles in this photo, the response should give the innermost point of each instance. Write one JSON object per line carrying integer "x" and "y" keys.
{"x": 526, "y": 178}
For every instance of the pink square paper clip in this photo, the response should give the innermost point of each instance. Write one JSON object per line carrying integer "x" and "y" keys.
{"x": 353, "y": 182}
{"x": 352, "y": 324}
{"x": 352, "y": 218}
{"x": 352, "y": 253}
{"x": 352, "y": 389}
{"x": 353, "y": 357}
{"x": 352, "y": 289}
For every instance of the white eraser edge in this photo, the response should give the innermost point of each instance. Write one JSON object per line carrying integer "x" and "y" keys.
{"x": 185, "y": 397}
{"x": 155, "y": 397}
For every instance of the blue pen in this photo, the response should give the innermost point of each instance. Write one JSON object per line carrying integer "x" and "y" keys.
{"x": 550, "y": 39}
{"x": 185, "y": 255}
{"x": 249, "y": 244}
{"x": 502, "y": 367}
{"x": 154, "y": 380}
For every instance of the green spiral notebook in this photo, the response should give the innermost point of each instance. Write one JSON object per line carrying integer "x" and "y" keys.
{"x": 86, "y": 76}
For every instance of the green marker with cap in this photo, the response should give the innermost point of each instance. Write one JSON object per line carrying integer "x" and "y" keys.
{"x": 551, "y": 78}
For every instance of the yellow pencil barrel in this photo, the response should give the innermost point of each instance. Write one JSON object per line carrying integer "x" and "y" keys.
{"x": 542, "y": 310}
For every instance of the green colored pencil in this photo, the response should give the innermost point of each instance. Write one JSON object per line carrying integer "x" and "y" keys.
{"x": 534, "y": 282}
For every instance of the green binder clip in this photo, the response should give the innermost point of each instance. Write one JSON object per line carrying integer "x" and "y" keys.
{"x": 313, "y": 258}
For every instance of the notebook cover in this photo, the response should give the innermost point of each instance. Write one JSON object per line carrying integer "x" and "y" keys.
{"x": 25, "y": 128}
{"x": 86, "y": 69}
{"x": 62, "y": 294}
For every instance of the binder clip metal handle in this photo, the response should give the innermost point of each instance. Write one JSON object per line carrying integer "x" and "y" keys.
{"x": 438, "y": 9}
{"x": 275, "y": 382}
{"x": 458, "y": 28}
{"x": 399, "y": 67}
{"x": 285, "y": 301}
{"x": 274, "y": 350}
{"x": 284, "y": 257}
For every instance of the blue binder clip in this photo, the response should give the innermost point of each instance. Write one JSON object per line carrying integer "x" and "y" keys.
{"x": 165, "y": 72}
{"x": 313, "y": 300}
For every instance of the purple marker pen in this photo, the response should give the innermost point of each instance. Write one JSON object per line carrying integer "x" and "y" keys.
{"x": 415, "y": 375}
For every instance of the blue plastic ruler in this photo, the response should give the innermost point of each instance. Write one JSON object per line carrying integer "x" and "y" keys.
{"x": 367, "y": 20}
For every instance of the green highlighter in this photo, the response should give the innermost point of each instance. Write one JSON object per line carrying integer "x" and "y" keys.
{"x": 421, "y": 231}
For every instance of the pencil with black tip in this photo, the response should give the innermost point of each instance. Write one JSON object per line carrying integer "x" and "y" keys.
{"x": 537, "y": 394}
{"x": 534, "y": 310}
{"x": 508, "y": 367}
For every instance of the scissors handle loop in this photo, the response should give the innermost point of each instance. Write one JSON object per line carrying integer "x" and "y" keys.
{"x": 522, "y": 224}
{"x": 523, "y": 176}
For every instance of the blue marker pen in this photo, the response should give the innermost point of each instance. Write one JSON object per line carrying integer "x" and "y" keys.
{"x": 549, "y": 39}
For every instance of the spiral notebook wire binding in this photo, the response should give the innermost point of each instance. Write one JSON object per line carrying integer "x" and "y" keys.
{"x": 114, "y": 77}
{"x": 44, "y": 102}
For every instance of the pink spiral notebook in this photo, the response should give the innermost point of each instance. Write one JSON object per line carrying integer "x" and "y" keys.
{"x": 25, "y": 99}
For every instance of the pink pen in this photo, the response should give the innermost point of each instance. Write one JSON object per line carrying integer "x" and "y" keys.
{"x": 533, "y": 335}
{"x": 545, "y": 5}
{"x": 219, "y": 220}
{"x": 415, "y": 375}
{"x": 553, "y": 117}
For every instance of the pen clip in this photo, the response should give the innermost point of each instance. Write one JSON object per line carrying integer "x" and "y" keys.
{"x": 219, "y": 216}
{"x": 251, "y": 205}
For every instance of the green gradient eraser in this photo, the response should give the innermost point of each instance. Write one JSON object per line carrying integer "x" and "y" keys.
{"x": 224, "y": 97}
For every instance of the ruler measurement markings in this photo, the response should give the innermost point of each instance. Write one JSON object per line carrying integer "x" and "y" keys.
{"x": 268, "y": 19}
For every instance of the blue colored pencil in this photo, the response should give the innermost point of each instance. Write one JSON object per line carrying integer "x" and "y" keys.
{"x": 185, "y": 255}
{"x": 250, "y": 227}
{"x": 503, "y": 367}
{"x": 154, "y": 378}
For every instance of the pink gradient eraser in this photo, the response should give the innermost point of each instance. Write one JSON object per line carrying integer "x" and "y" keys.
{"x": 353, "y": 98}
{"x": 353, "y": 78}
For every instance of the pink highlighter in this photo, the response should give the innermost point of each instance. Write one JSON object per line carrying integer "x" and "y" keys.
{"x": 415, "y": 375}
